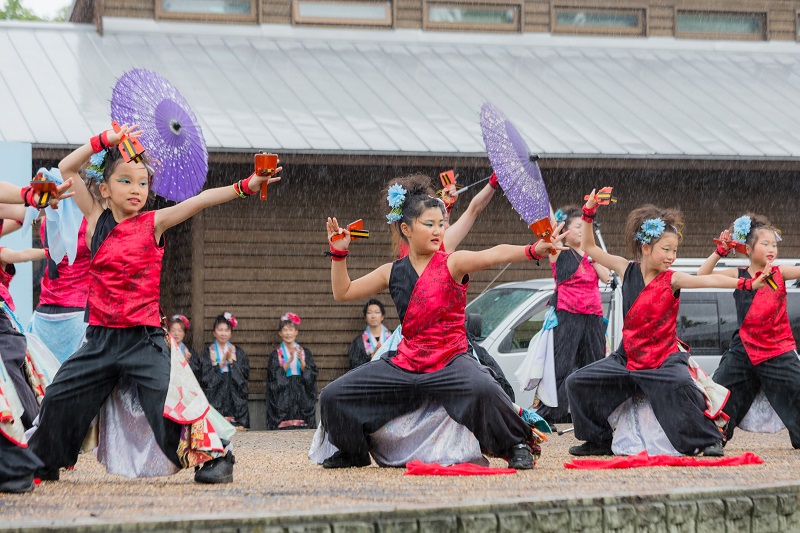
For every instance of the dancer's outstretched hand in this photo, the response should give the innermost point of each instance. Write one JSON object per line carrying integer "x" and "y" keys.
{"x": 131, "y": 130}
{"x": 334, "y": 229}
{"x": 761, "y": 280}
{"x": 556, "y": 241}
{"x": 62, "y": 192}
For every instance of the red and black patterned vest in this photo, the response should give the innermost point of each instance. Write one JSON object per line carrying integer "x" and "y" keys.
{"x": 649, "y": 333}
{"x": 126, "y": 273}
{"x": 434, "y": 329}
{"x": 71, "y": 286}
{"x": 765, "y": 331}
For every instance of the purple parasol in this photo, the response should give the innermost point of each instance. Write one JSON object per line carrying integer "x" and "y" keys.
{"x": 517, "y": 171}
{"x": 171, "y": 134}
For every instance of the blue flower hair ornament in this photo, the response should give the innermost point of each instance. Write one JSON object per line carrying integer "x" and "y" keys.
{"x": 396, "y": 197}
{"x": 741, "y": 228}
{"x": 97, "y": 165}
{"x": 560, "y": 216}
{"x": 650, "y": 230}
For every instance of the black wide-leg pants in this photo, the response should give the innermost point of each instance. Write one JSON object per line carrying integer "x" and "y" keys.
{"x": 578, "y": 340}
{"x": 87, "y": 378}
{"x": 15, "y": 461}
{"x": 780, "y": 378}
{"x": 366, "y": 398}
{"x": 596, "y": 390}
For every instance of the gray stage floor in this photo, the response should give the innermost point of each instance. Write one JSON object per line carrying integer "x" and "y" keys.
{"x": 273, "y": 477}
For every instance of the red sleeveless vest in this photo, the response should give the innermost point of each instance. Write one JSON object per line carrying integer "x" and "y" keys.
{"x": 765, "y": 331}
{"x": 126, "y": 274}
{"x": 71, "y": 287}
{"x": 649, "y": 329}
{"x": 434, "y": 329}
{"x": 6, "y": 275}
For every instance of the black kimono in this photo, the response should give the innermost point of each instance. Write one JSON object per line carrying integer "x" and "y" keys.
{"x": 291, "y": 400}
{"x": 226, "y": 391}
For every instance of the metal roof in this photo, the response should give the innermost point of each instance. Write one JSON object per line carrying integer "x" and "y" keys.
{"x": 316, "y": 90}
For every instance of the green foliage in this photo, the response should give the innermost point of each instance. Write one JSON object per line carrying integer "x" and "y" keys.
{"x": 14, "y": 10}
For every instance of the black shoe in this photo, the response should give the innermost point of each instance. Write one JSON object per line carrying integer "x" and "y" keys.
{"x": 591, "y": 448}
{"x": 520, "y": 458}
{"x": 346, "y": 460}
{"x": 715, "y": 450}
{"x": 219, "y": 470}
{"x": 46, "y": 474}
{"x": 18, "y": 485}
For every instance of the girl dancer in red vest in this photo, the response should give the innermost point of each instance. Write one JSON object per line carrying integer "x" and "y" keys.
{"x": 648, "y": 358}
{"x": 429, "y": 288}
{"x": 579, "y": 338}
{"x": 762, "y": 353}
{"x": 17, "y": 461}
{"x": 124, "y": 337}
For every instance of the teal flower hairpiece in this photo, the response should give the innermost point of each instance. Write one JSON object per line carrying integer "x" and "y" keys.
{"x": 741, "y": 228}
{"x": 560, "y": 216}
{"x": 650, "y": 230}
{"x": 396, "y": 197}
{"x": 97, "y": 164}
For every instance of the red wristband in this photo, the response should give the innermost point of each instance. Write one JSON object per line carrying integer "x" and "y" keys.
{"x": 104, "y": 139}
{"x": 530, "y": 251}
{"x": 590, "y": 220}
{"x": 27, "y": 194}
{"x": 96, "y": 144}
{"x": 590, "y": 212}
{"x": 493, "y": 181}
{"x": 337, "y": 255}
{"x": 722, "y": 251}
{"x": 246, "y": 187}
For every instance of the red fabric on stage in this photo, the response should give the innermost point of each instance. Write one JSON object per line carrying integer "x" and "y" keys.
{"x": 418, "y": 468}
{"x": 642, "y": 460}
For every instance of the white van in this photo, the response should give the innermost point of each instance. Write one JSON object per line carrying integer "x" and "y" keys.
{"x": 512, "y": 313}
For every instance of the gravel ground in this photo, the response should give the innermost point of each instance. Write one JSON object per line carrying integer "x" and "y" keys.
{"x": 274, "y": 476}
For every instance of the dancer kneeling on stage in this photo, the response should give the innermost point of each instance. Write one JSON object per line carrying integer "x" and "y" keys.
{"x": 762, "y": 353}
{"x": 648, "y": 359}
{"x": 124, "y": 337}
{"x": 429, "y": 288}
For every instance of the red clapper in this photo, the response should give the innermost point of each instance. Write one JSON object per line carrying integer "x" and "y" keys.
{"x": 45, "y": 187}
{"x": 543, "y": 229}
{"x": 130, "y": 147}
{"x": 356, "y": 230}
{"x": 738, "y": 247}
{"x": 448, "y": 177}
{"x": 265, "y": 165}
{"x": 603, "y": 196}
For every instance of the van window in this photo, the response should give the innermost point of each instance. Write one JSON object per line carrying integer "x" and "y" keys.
{"x": 495, "y": 305}
{"x": 698, "y": 323}
{"x": 793, "y": 308}
{"x": 728, "y": 322}
{"x": 519, "y": 337}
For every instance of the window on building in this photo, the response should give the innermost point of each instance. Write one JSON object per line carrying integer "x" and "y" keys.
{"x": 208, "y": 10}
{"x": 342, "y": 13}
{"x": 598, "y": 21}
{"x": 484, "y": 17}
{"x": 706, "y": 25}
